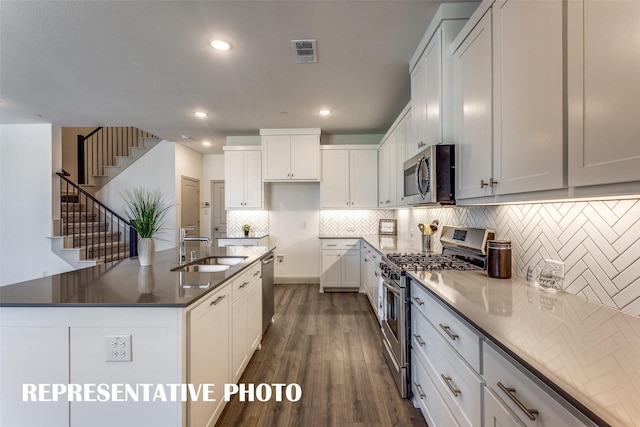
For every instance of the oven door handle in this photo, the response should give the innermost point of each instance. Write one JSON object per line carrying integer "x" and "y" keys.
{"x": 391, "y": 288}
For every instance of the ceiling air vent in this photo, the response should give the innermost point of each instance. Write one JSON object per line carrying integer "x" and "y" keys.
{"x": 305, "y": 50}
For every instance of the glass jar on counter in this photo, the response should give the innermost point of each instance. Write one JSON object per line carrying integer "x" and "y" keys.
{"x": 499, "y": 259}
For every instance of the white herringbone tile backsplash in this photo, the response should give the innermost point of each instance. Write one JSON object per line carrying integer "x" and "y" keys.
{"x": 258, "y": 220}
{"x": 349, "y": 222}
{"x": 599, "y": 241}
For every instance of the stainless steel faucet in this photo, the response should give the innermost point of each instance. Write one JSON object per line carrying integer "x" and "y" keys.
{"x": 182, "y": 256}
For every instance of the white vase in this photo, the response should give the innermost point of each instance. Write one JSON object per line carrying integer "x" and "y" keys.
{"x": 146, "y": 280}
{"x": 146, "y": 250}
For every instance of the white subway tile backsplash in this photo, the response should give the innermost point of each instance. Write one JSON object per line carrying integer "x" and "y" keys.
{"x": 599, "y": 241}
{"x": 258, "y": 220}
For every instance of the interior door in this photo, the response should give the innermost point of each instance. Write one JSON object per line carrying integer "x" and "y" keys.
{"x": 219, "y": 216}
{"x": 190, "y": 205}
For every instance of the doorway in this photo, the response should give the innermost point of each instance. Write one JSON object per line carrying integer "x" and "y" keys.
{"x": 190, "y": 205}
{"x": 218, "y": 209}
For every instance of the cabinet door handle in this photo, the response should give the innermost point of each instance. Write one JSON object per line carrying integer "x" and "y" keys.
{"x": 243, "y": 285}
{"x": 447, "y": 381}
{"x": 376, "y": 274}
{"x": 510, "y": 391}
{"x": 492, "y": 183}
{"x": 448, "y": 331}
{"x": 483, "y": 184}
{"x": 420, "y": 391}
{"x": 217, "y": 300}
{"x": 418, "y": 300}
{"x": 419, "y": 340}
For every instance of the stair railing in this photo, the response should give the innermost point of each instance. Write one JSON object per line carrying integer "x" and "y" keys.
{"x": 91, "y": 214}
{"x": 102, "y": 146}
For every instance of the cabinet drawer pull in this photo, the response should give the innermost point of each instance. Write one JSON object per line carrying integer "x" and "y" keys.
{"x": 376, "y": 274}
{"x": 243, "y": 285}
{"x": 331, "y": 245}
{"x": 511, "y": 392}
{"x": 447, "y": 381}
{"x": 418, "y": 300}
{"x": 419, "y": 340}
{"x": 217, "y": 300}
{"x": 448, "y": 331}
{"x": 256, "y": 273}
{"x": 420, "y": 391}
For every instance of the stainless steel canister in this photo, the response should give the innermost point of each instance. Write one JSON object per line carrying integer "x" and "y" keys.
{"x": 499, "y": 259}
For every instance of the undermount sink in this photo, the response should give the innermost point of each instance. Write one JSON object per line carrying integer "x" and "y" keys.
{"x": 202, "y": 268}
{"x": 211, "y": 264}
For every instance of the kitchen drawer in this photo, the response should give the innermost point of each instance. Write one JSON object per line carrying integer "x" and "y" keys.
{"x": 241, "y": 283}
{"x": 427, "y": 399}
{"x": 454, "y": 330}
{"x": 552, "y": 409}
{"x": 458, "y": 384}
{"x": 341, "y": 244}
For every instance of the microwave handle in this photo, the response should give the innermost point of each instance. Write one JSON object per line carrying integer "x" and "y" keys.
{"x": 422, "y": 193}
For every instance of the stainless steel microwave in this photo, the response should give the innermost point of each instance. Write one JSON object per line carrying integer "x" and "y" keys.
{"x": 429, "y": 176}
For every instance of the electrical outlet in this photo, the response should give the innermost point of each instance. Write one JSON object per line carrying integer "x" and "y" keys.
{"x": 118, "y": 348}
{"x": 556, "y": 268}
{"x": 279, "y": 259}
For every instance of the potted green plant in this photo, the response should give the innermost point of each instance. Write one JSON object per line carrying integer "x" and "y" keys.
{"x": 246, "y": 229}
{"x": 146, "y": 210}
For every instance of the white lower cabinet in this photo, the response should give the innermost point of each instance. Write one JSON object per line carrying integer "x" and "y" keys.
{"x": 340, "y": 264}
{"x": 208, "y": 354}
{"x": 371, "y": 279}
{"x": 511, "y": 395}
{"x": 427, "y": 398}
{"x": 246, "y": 318}
{"x": 456, "y": 381}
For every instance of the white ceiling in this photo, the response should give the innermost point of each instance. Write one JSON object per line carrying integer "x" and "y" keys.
{"x": 148, "y": 64}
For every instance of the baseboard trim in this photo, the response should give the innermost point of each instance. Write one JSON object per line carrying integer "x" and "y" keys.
{"x": 295, "y": 280}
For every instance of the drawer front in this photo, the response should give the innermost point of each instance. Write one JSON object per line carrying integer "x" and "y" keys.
{"x": 518, "y": 387}
{"x": 454, "y": 330}
{"x": 458, "y": 384}
{"x": 341, "y": 244}
{"x": 426, "y": 397}
{"x": 241, "y": 283}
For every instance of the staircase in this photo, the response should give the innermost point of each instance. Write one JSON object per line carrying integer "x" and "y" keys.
{"x": 87, "y": 232}
{"x": 107, "y": 151}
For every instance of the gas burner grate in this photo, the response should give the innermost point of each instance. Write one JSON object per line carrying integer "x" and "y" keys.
{"x": 422, "y": 262}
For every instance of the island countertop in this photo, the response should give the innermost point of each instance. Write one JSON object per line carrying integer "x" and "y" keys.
{"x": 125, "y": 283}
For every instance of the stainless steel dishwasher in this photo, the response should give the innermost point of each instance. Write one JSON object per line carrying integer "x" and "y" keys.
{"x": 268, "y": 302}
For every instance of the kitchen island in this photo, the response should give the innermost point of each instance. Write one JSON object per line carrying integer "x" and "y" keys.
{"x": 175, "y": 328}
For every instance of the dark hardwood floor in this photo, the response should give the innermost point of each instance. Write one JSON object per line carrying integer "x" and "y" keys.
{"x": 329, "y": 344}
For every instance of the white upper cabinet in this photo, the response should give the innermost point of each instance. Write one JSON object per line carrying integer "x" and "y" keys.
{"x": 474, "y": 101}
{"x": 528, "y": 96}
{"x": 349, "y": 178}
{"x": 431, "y": 79}
{"x": 603, "y": 71}
{"x": 387, "y": 172}
{"x": 243, "y": 178}
{"x": 509, "y": 100}
{"x": 290, "y": 154}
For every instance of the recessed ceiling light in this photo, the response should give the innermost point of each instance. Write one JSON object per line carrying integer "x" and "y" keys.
{"x": 206, "y": 143}
{"x": 325, "y": 112}
{"x": 201, "y": 114}
{"x": 220, "y": 45}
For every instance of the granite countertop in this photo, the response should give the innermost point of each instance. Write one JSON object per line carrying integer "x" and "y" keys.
{"x": 242, "y": 236}
{"x": 125, "y": 283}
{"x": 587, "y": 352}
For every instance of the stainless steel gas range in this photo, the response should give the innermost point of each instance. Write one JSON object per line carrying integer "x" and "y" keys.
{"x": 463, "y": 249}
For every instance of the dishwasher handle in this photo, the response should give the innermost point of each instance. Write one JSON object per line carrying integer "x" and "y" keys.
{"x": 268, "y": 260}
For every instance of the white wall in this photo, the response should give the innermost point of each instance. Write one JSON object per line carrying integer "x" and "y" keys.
{"x": 212, "y": 170}
{"x": 153, "y": 170}
{"x": 26, "y": 187}
{"x": 294, "y": 221}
